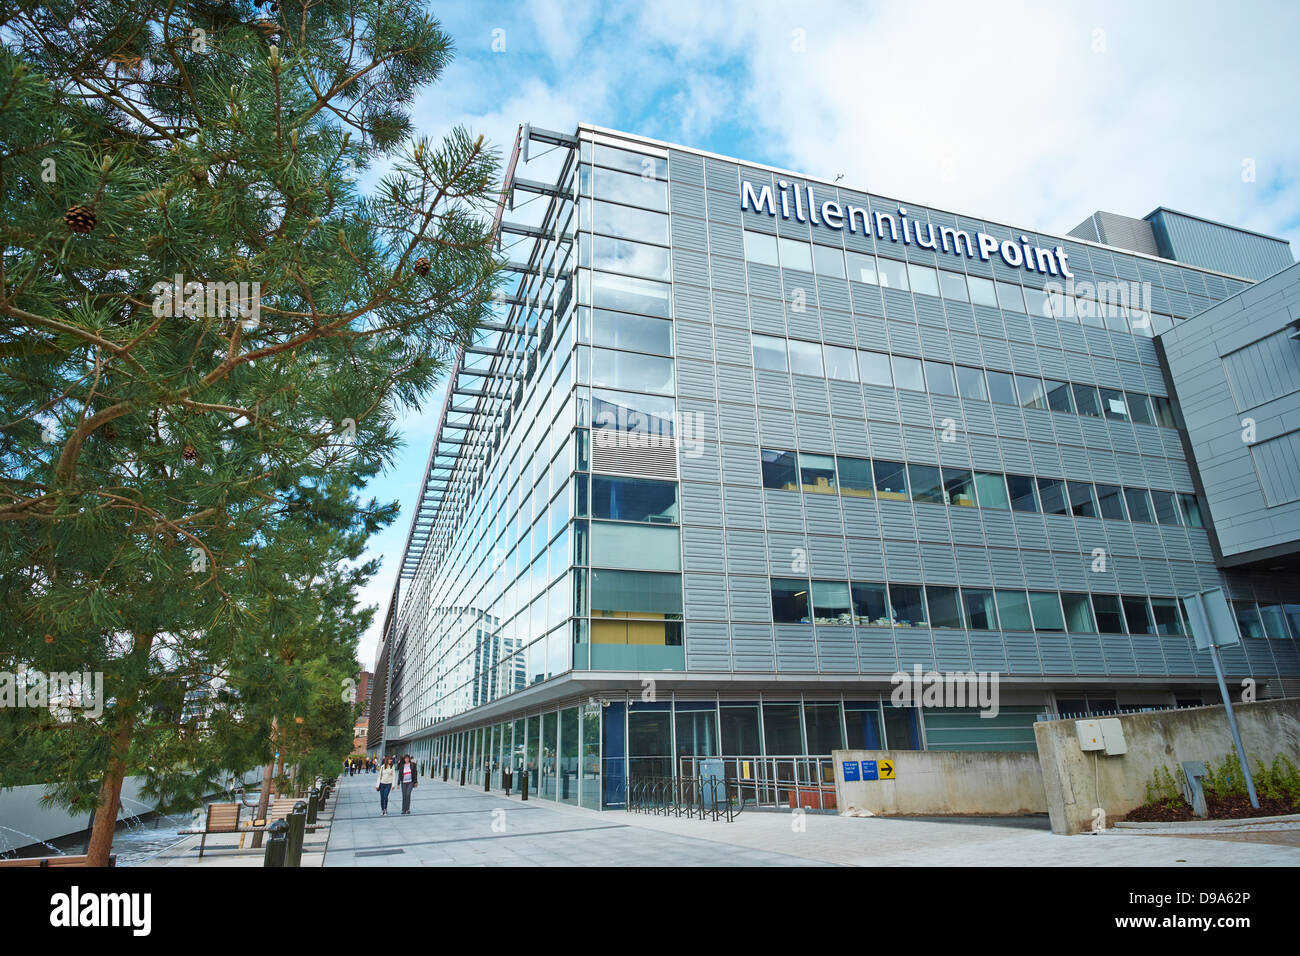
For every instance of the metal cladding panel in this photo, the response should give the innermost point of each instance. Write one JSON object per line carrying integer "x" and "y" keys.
{"x": 795, "y": 648}
{"x": 702, "y": 465}
{"x": 876, "y": 651}
{"x": 705, "y": 596}
{"x": 914, "y": 647}
{"x": 742, "y": 507}
{"x": 703, "y": 549}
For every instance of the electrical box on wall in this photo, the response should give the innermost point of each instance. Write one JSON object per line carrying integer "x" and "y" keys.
{"x": 1089, "y": 732}
{"x": 1112, "y": 737}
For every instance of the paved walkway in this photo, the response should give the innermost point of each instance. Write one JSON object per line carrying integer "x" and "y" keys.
{"x": 451, "y": 825}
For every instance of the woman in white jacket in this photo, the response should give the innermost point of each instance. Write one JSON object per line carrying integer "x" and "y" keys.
{"x": 387, "y": 777}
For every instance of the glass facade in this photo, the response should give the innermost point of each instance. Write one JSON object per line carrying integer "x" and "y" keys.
{"x": 706, "y": 442}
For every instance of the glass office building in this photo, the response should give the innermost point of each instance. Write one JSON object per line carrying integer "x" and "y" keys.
{"x": 739, "y": 445}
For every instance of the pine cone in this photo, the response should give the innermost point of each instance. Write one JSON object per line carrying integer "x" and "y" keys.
{"x": 269, "y": 28}
{"x": 80, "y": 219}
{"x": 190, "y": 454}
{"x": 422, "y": 266}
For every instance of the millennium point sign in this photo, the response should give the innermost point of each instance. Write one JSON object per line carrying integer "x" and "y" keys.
{"x": 798, "y": 202}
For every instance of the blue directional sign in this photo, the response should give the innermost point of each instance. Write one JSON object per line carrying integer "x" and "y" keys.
{"x": 850, "y": 770}
{"x": 869, "y": 771}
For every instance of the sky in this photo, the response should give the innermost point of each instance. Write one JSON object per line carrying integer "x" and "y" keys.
{"x": 1033, "y": 114}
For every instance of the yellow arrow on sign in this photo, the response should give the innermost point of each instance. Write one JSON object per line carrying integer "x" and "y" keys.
{"x": 886, "y": 770}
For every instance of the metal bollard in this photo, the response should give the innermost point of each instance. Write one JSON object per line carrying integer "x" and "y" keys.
{"x": 276, "y": 844}
{"x": 507, "y": 779}
{"x": 313, "y": 804}
{"x": 487, "y": 778}
{"x": 297, "y": 831}
{"x": 462, "y": 775}
{"x": 446, "y": 769}
{"x": 523, "y": 785}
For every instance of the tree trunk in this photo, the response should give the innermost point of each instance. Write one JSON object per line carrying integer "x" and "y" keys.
{"x": 264, "y": 799}
{"x": 110, "y": 788}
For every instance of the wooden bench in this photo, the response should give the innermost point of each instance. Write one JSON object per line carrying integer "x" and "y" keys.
{"x": 221, "y": 818}
{"x": 44, "y": 861}
{"x": 280, "y": 809}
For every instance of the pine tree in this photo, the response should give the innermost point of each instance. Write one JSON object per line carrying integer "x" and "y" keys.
{"x": 156, "y": 438}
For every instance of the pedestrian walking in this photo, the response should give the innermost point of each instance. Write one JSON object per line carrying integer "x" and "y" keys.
{"x": 387, "y": 776}
{"x": 409, "y": 780}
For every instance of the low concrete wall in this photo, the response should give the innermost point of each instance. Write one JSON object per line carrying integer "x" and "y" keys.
{"x": 944, "y": 783}
{"x": 1077, "y": 783}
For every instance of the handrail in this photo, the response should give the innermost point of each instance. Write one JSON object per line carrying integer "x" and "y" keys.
{"x": 696, "y": 797}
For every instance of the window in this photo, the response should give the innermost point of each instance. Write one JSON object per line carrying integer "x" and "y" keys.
{"x": 805, "y": 358}
{"x": 779, "y": 470}
{"x": 855, "y": 477}
{"x": 907, "y": 605}
{"x": 1036, "y": 303}
{"x": 831, "y": 602}
{"x": 991, "y": 490}
{"x": 923, "y": 279}
{"x": 891, "y": 479}
{"x": 1164, "y": 411}
{"x": 958, "y": 488}
{"x": 926, "y": 484}
{"x": 639, "y": 163}
{"x": 1248, "y": 620}
{"x": 1110, "y": 500}
{"x": 637, "y": 595}
{"x": 1139, "y": 505}
{"x": 1021, "y": 488}
{"x": 789, "y": 601}
{"x": 1139, "y": 408}
{"x": 1030, "y": 391}
{"x": 1078, "y": 613}
{"x": 627, "y": 294}
{"x": 953, "y": 286}
{"x": 1191, "y": 511}
{"x": 939, "y": 380}
{"x": 634, "y": 499}
{"x": 870, "y": 605}
{"x": 1002, "y": 388}
{"x": 1273, "y": 616}
{"x": 1013, "y": 610}
{"x": 1045, "y": 606}
{"x": 625, "y": 222}
{"x": 981, "y": 291}
{"x": 638, "y": 333}
{"x": 892, "y": 273}
{"x": 907, "y": 373}
{"x": 1113, "y": 404}
{"x": 862, "y": 267}
{"x": 1167, "y": 618}
{"x": 828, "y": 261}
{"x": 1085, "y": 400}
{"x": 1137, "y": 616}
{"x": 981, "y": 614}
{"x": 620, "y": 255}
{"x": 1082, "y": 504}
{"x": 624, "y": 411}
{"x": 841, "y": 363}
{"x": 769, "y": 352}
{"x": 1051, "y": 491}
{"x": 1166, "y": 509}
{"x": 760, "y": 248}
{"x": 1010, "y": 297}
{"x": 1058, "y": 397}
{"x": 944, "y": 610}
{"x": 794, "y": 254}
{"x": 642, "y": 547}
{"x": 628, "y": 370}
{"x": 1110, "y": 619}
{"x": 817, "y": 473}
{"x": 970, "y": 383}
{"x": 874, "y": 367}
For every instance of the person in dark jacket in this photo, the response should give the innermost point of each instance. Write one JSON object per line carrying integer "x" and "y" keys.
{"x": 408, "y": 779}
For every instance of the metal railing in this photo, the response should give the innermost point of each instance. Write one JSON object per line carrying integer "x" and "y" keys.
{"x": 700, "y": 798}
{"x": 794, "y": 781}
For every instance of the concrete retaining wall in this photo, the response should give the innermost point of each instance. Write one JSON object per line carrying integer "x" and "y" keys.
{"x": 1076, "y": 782}
{"x": 944, "y": 783}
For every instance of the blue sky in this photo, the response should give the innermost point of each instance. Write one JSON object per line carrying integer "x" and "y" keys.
{"x": 1036, "y": 114}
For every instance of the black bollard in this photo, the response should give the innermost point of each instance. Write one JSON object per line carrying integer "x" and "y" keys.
{"x": 523, "y": 785}
{"x": 276, "y": 844}
{"x": 507, "y": 779}
{"x": 297, "y": 831}
{"x": 487, "y": 778}
{"x": 313, "y": 799}
{"x": 446, "y": 769}
{"x": 462, "y": 775}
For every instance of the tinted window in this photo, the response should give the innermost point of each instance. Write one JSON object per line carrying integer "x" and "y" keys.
{"x": 1139, "y": 505}
{"x": 874, "y": 367}
{"x": 1058, "y": 396}
{"x": 1030, "y": 391}
{"x": 970, "y": 383}
{"x": 891, "y": 479}
{"x": 769, "y": 353}
{"x": 926, "y": 483}
{"x": 938, "y": 378}
{"x": 1051, "y": 492}
{"x": 1021, "y": 488}
{"x": 907, "y": 373}
{"x": 789, "y": 601}
{"x": 855, "y": 477}
{"x": 634, "y": 499}
{"x": 779, "y": 470}
{"x": 1111, "y": 501}
{"x": 1085, "y": 400}
{"x": 1002, "y": 388}
{"x": 805, "y": 358}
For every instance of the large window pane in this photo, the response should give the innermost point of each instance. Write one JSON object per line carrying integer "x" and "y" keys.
{"x": 630, "y": 295}
{"x": 1002, "y": 388}
{"x": 822, "y": 721}
{"x": 1139, "y": 504}
{"x": 855, "y": 477}
{"x": 958, "y": 488}
{"x": 831, "y": 602}
{"x": 817, "y": 473}
{"x": 870, "y": 605}
{"x": 1078, "y": 613}
{"x": 781, "y": 729}
{"x": 625, "y": 222}
{"x": 1030, "y": 391}
{"x": 1051, "y": 492}
{"x": 981, "y": 291}
{"x": 1137, "y": 616}
{"x": 926, "y": 483}
{"x": 944, "y": 611}
{"x": 1013, "y": 611}
{"x": 626, "y": 412}
{"x": 981, "y": 614}
{"x": 634, "y": 499}
{"x": 769, "y": 352}
{"x": 780, "y": 470}
{"x": 1190, "y": 508}
{"x": 970, "y": 383}
{"x": 789, "y": 601}
{"x": 805, "y": 358}
{"x": 1085, "y": 400}
{"x": 629, "y": 370}
{"x": 634, "y": 258}
{"x": 630, "y": 188}
{"x": 892, "y": 273}
{"x": 922, "y": 279}
{"x": 635, "y": 546}
{"x": 828, "y": 261}
{"x": 1113, "y": 404}
{"x": 907, "y": 373}
{"x": 862, "y": 267}
{"x": 939, "y": 379}
{"x": 991, "y": 490}
{"x": 1058, "y": 396}
{"x": 1010, "y": 297}
{"x": 891, "y": 479}
{"x": 1166, "y": 509}
{"x": 1139, "y": 408}
{"x": 953, "y": 286}
{"x": 1110, "y": 500}
{"x": 907, "y": 605}
{"x": 1082, "y": 504}
{"x": 841, "y": 363}
{"x": 1110, "y": 618}
{"x": 874, "y": 367}
{"x": 760, "y": 248}
{"x": 1248, "y": 620}
{"x": 1167, "y": 618}
{"x": 1021, "y": 488}
{"x": 636, "y": 592}
{"x": 637, "y": 333}
{"x": 794, "y": 254}
{"x": 1046, "y": 609}
{"x": 650, "y": 167}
